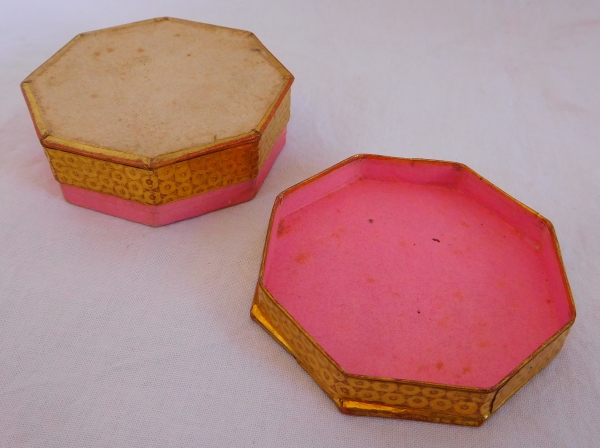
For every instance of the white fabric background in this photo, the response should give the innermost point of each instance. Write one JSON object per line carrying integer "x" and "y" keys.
{"x": 113, "y": 334}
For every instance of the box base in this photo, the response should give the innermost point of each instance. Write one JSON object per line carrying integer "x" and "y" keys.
{"x": 412, "y": 289}
{"x": 160, "y": 215}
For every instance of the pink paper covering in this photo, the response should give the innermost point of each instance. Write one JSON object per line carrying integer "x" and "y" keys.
{"x": 178, "y": 210}
{"x": 417, "y": 271}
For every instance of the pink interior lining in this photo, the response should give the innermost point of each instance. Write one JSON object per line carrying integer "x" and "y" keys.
{"x": 413, "y": 278}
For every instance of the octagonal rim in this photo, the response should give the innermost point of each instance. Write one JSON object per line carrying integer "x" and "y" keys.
{"x": 482, "y": 390}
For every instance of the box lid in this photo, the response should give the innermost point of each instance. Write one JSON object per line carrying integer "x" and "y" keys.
{"x": 154, "y": 92}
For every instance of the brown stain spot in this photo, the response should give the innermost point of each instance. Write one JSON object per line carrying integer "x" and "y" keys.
{"x": 177, "y": 35}
{"x": 282, "y": 229}
{"x": 302, "y": 257}
{"x": 339, "y": 233}
{"x": 458, "y": 296}
{"x": 466, "y": 370}
{"x": 96, "y": 54}
{"x": 140, "y": 50}
{"x": 94, "y": 95}
{"x": 110, "y": 49}
{"x": 443, "y": 323}
{"x": 464, "y": 224}
{"x": 143, "y": 59}
{"x": 456, "y": 250}
{"x": 189, "y": 54}
{"x": 483, "y": 344}
{"x": 288, "y": 224}
{"x": 439, "y": 365}
{"x": 421, "y": 369}
{"x": 370, "y": 280}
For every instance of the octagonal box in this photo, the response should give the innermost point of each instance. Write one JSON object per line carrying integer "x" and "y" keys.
{"x": 161, "y": 120}
{"x": 412, "y": 289}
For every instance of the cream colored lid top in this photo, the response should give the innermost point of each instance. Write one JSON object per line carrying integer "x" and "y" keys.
{"x": 155, "y": 87}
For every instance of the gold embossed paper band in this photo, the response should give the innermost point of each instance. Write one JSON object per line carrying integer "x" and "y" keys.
{"x": 159, "y": 186}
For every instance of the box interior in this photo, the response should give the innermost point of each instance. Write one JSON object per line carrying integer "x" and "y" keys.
{"x": 416, "y": 270}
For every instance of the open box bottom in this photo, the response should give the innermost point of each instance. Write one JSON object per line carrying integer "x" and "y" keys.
{"x": 412, "y": 289}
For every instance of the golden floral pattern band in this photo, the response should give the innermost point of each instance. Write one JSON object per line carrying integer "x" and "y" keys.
{"x": 159, "y": 186}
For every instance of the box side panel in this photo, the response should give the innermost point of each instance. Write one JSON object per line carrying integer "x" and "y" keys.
{"x": 558, "y": 290}
{"x": 300, "y": 346}
{"x": 525, "y": 220}
{"x": 412, "y": 171}
{"x": 318, "y": 187}
{"x": 311, "y": 190}
{"x": 274, "y": 129}
{"x": 272, "y": 156}
{"x": 529, "y": 370}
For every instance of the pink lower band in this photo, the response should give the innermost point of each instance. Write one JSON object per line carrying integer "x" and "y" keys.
{"x": 160, "y": 215}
